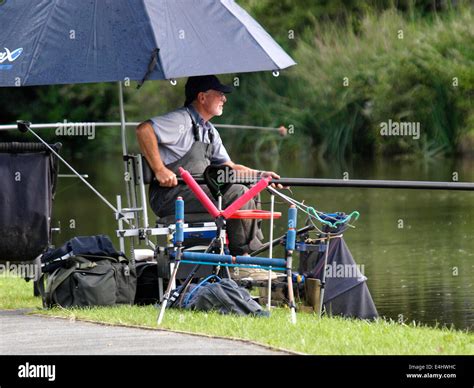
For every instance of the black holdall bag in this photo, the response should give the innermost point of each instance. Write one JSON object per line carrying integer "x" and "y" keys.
{"x": 91, "y": 281}
{"x": 87, "y": 275}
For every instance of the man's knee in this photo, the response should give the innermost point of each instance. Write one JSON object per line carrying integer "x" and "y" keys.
{"x": 235, "y": 191}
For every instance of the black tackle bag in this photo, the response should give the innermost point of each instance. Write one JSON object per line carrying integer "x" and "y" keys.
{"x": 222, "y": 295}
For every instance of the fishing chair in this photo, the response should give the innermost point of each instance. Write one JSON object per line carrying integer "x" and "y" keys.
{"x": 223, "y": 259}
{"x": 200, "y": 228}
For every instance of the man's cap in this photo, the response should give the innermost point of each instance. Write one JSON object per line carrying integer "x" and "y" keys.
{"x": 203, "y": 83}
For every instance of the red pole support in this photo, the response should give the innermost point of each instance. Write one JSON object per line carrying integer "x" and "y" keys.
{"x": 241, "y": 201}
{"x": 199, "y": 192}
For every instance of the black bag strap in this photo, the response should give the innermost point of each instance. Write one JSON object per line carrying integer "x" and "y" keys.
{"x": 95, "y": 258}
{"x": 196, "y": 127}
{"x": 40, "y": 286}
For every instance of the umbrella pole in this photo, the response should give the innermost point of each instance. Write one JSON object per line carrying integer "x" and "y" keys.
{"x": 129, "y": 182}
{"x": 123, "y": 135}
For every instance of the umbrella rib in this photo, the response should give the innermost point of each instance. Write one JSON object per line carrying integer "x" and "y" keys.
{"x": 38, "y": 40}
{"x": 159, "y": 65}
{"x": 93, "y": 36}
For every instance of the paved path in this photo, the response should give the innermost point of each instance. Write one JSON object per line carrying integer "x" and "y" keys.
{"x": 22, "y": 334}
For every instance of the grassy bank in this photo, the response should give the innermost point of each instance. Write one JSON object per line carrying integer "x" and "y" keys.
{"x": 310, "y": 335}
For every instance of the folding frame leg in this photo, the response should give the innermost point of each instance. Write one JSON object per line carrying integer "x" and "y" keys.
{"x": 323, "y": 278}
{"x": 179, "y": 238}
{"x": 290, "y": 246}
{"x": 168, "y": 293}
{"x": 270, "y": 252}
{"x": 291, "y": 296}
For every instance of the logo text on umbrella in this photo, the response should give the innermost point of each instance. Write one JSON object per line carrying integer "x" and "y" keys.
{"x": 9, "y": 56}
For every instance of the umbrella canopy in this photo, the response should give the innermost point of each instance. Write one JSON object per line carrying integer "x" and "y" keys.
{"x": 47, "y": 42}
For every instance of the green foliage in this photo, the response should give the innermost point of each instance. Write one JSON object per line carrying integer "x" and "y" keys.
{"x": 54, "y": 104}
{"x": 410, "y": 79}
{"x": 280, "y": 17}
{"x": 348, "y": 82}
{"x": 354, "y": 72}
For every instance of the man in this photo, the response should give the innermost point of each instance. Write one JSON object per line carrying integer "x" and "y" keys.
{"x": 186, "y": 138}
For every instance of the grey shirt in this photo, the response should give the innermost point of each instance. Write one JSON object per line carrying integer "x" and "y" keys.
{"x": 174, "y": 132}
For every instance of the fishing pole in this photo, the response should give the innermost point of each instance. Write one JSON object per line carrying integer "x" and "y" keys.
{"x": 282, "y": 131}
{"x": 362, "y": 183}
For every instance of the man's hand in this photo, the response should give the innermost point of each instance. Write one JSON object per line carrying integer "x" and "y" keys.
{"x": 166, "y": 178}
{"x": 273, "y": 175}
{"x": 283, "y": 131}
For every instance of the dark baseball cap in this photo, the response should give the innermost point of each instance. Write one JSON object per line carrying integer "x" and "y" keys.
{"x": 203, "y": 83}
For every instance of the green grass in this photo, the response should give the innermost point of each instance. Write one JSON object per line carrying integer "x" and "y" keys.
{"x": 310, "y": 335}
{"x": 16, "y": 293}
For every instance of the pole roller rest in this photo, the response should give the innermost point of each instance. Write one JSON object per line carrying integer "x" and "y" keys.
{"x": 263, "y": 261}
{"x": 255, "y": 214}
{"x": 234, "y": 208}
{"x": 210, "y": 257}
{"x": 228, "y": 259}
{"x": 178, "y": 240}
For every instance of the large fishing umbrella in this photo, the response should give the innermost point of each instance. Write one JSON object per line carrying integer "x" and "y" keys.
{"x": 48, "y": 42}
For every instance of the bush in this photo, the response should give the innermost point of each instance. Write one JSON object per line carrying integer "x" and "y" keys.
{"x": 353, "y": 82}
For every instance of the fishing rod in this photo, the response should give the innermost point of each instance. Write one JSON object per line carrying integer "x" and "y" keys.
{"x": 282, "y": 131}
{"x": 362, "y": 183}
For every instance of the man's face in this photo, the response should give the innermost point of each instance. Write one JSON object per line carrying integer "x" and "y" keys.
{"x": 213, "y": 102}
